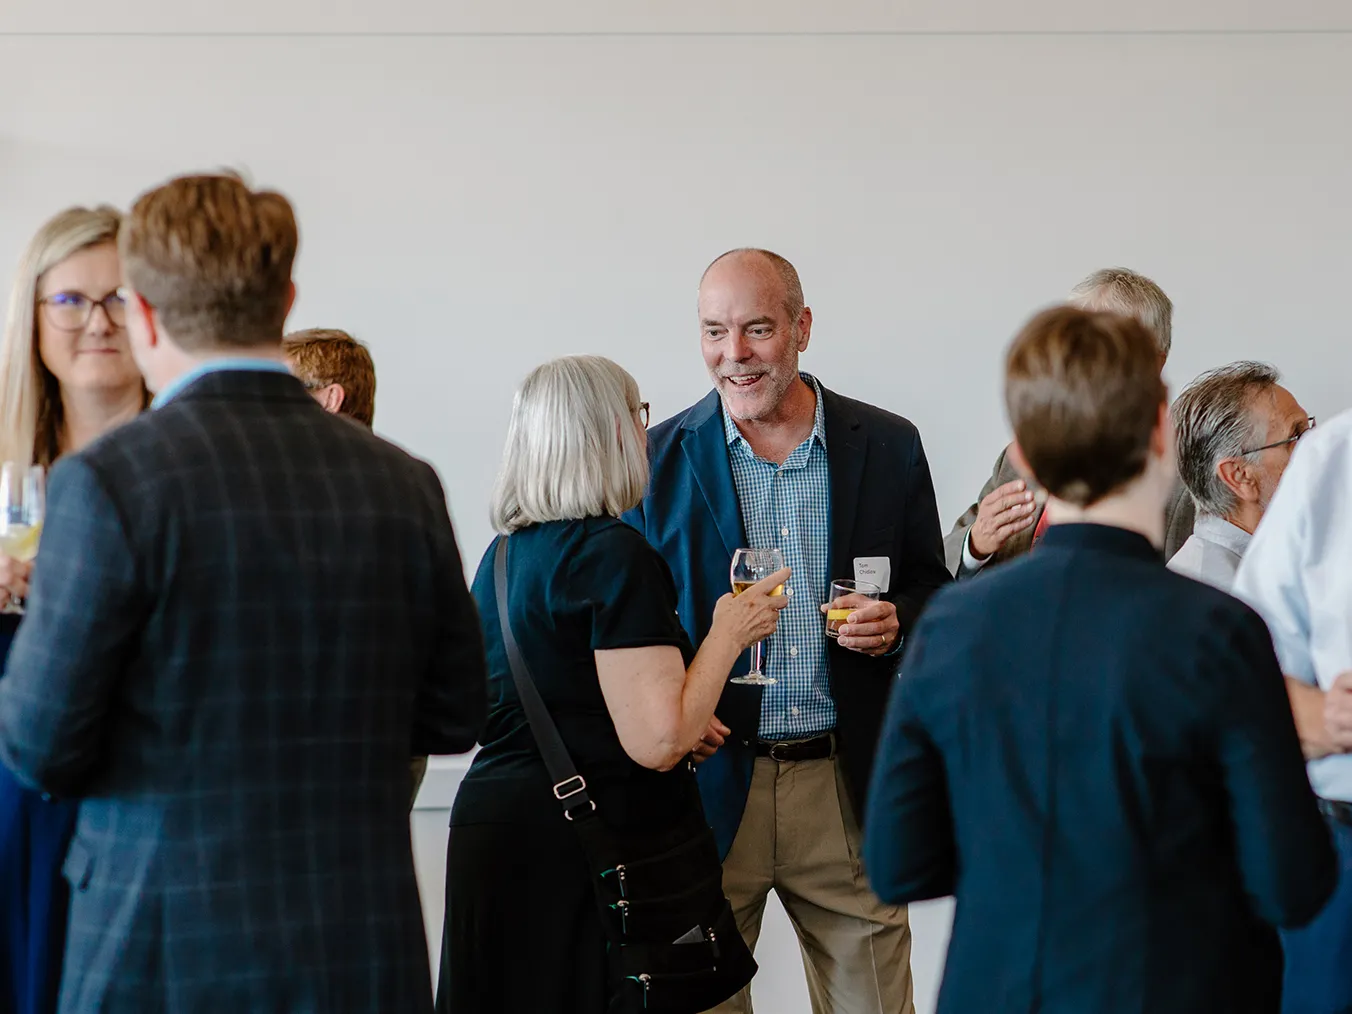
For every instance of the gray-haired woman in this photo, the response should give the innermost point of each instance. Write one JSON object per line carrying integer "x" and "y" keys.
{"x": 593, "y": 607}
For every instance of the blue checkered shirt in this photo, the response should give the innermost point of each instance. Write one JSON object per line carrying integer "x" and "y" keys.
{"x": 788, "y": 507}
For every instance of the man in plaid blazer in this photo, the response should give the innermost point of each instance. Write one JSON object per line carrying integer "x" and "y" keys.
{"x": 246, "y": 615}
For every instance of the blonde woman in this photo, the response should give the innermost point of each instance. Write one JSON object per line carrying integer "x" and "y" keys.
{"x": 66, "y": 377}
{"x": 593, "y": 608}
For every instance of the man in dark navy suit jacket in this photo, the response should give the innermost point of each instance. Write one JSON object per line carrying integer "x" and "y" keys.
{"x": 246, "y": 616}
{"x": 1094, "y": 754}
{"x": 773, "y": 459}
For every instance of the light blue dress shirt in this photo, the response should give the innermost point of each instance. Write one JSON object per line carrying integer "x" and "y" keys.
{"x": 251, "y": 364}
{"x": 788, "y": 507}
{"x": 1297, "y": 573}
{"x": 1212, "y": 553}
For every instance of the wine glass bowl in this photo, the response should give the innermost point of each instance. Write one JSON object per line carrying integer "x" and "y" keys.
{"x": 750, "y": 566}
{"x": 23, "y": 505}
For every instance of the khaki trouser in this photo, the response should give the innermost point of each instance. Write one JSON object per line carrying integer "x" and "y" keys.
{"x": 800, "y": 838}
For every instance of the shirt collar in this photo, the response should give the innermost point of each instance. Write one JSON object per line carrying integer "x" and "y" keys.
{"x": 1222, "y": 533}
{"x": 733, "y": 434}
{"x": 252, "y": 364}
{"x": 1103, "y": 538}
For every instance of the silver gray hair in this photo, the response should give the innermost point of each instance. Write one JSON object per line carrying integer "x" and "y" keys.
{"x": 1119, "y": 290}
{"x": 574, "y": 449}
{"x": 1214, "y": 419}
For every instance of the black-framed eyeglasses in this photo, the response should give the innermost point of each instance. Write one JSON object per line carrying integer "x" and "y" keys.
{"x": 1309, "y": 425}
{"x": 643, "y": 413}
{"x": 71, "y": 311}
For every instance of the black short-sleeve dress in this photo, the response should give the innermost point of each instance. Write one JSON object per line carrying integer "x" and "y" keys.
{"x": 521, "y": 930}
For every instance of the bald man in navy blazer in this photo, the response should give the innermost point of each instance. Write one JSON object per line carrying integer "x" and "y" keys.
{"x": 772, "y": 458}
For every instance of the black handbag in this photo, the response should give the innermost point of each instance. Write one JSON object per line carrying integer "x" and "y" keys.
{"x": 673, "y": 944}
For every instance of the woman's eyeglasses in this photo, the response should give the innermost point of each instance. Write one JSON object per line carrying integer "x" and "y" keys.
{"x": 643, "y": 413}
{"x": 1309, "y": 425}
{"x": 71, "y": 311}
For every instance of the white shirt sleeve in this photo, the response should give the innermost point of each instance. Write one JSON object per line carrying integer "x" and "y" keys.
{"x": 1272, "y": 575}
{"x": 970, "y": 564}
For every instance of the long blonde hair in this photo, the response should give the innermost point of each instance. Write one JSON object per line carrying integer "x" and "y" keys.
{"x": 573, "y": 446}
{"x": 30, "y": 399}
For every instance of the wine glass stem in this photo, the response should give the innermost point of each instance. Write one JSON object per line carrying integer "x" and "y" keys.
{"x": 757, "y": 655}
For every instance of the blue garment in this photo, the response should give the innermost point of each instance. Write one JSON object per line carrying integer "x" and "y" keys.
{"x": 788, "y": 507}
{"x": 236, "y": 364}
{"x": 1318, "y": 976}
{"x": 1287, "y": 575}
{"x": 882, "y": 505}
{"x": 1095, "y": 756}
{"x": 234, "y": 702}
{"x": 34, "y": 835}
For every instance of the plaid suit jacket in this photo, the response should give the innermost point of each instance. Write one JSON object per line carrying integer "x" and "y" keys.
{"x": 246, "y": 616}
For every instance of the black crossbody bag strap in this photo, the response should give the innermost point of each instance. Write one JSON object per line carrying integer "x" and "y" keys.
{"x": 570, "y": 788}
{"x": 658, "y": 976}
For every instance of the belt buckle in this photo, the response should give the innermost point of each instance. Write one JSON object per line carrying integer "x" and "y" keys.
{"x": 774, "y": 752}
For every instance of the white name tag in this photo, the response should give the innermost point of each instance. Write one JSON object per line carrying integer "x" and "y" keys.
{"x": 875, "y": 570}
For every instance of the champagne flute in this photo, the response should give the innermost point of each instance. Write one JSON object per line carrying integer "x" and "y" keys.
{"x": 23, "y": 504}
{"x": 748, "y": 567}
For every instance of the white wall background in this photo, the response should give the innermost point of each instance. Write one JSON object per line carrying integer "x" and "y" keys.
{"x": 482, "y": 186}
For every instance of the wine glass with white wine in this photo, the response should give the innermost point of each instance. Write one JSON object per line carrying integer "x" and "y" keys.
{"x": 23, "y": 504}
{"x": 748, "y": 567}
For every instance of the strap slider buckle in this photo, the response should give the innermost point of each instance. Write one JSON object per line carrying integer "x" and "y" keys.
{"x": 571, "y": 788}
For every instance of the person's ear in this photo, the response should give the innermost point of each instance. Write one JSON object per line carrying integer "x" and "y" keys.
{"x": 143, "y": 319}
{"x": 290, "y": 299}
{"x": 1162, "y": 437}
{"x": 804, "y": 328}
{"x": 1241, "y": 478}
{"x": 332, "y": 398}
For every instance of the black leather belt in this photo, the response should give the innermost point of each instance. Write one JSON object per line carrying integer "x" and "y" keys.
{"x": 816, "y": 748}
{"x": 1336, "y": 809}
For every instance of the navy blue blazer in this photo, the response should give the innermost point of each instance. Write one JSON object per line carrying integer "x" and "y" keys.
{"x": 882, "y": 504}
{"x": 246, "y": 616}
{"x": 1097, "y": 757}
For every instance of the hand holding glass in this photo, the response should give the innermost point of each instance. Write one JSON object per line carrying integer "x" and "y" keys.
{"x": 748, "y": 567}
{"x": 23, "y": 504}
{"x": 838, "y": 611}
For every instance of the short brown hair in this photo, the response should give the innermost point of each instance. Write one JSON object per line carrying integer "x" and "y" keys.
{"x": 322, "y": 356}
{"x": 213, "y": 258}
{"x": 1084, "y": 392}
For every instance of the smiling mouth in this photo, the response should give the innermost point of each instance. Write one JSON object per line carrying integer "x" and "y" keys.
{"x": 743, "y": 383}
